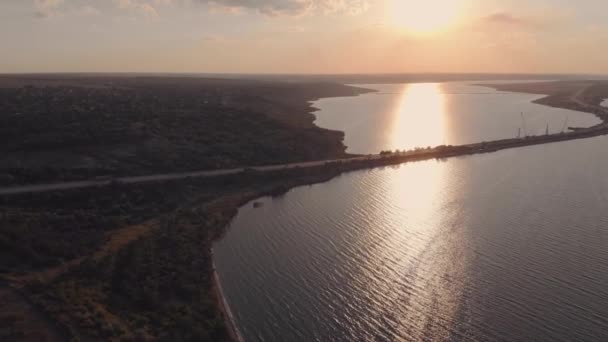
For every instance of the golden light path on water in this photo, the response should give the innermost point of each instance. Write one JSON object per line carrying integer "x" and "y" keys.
{"x": 420, "y": 255}
{"x": 420, "y": 117}
{"x": 406, "y": 116}
{"x": 479, "y": 248}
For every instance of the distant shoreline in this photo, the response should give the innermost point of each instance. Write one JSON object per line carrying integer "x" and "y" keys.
{"x": 581, "y": 96}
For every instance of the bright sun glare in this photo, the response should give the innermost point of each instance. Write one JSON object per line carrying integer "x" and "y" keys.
{"x": 419, "y": 119}
{"x": 423, "y": 16}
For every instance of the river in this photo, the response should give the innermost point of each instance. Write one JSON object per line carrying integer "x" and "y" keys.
{"x": 508, "y": 246}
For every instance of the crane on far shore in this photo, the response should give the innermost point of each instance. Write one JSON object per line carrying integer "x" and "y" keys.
{"x": 565, "y": 124}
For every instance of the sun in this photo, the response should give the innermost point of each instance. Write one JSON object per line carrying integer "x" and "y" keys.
{"x": 423, "y": 16}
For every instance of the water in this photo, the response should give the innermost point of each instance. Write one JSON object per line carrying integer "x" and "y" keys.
{"x": 509, "y": 246}
{"x": 420, "y": 115}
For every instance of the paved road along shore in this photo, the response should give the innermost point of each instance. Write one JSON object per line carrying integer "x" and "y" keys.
{"x": 356, "y": 162}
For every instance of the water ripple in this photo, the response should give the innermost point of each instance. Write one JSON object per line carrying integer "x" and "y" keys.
{"x": 501, "y": 247}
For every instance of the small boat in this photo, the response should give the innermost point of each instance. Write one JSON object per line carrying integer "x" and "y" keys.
{"x": 257, "y": 205}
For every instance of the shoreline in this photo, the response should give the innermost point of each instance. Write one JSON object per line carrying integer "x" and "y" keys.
{"x": 276, "y": 180}
{"x": 222, "y": 304}
{"x": 579, "y": 96}
{"x": 493, "y": 146}
{"x": 572, "y": 100}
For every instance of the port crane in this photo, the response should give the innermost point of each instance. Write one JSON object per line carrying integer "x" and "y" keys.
{"x": 565, "y": 124}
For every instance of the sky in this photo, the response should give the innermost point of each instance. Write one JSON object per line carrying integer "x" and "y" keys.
{"x": 304, "y": 36}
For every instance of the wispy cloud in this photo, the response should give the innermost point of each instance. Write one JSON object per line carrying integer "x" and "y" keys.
{"x": 147, "y": 8}
{"x": 505, "y": 18}
{"x": 291, "y": 7}
{"x": 46, "y": 8}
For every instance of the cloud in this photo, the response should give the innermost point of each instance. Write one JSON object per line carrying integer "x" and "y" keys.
{"x": 536, "y": 20}
{"x": 509, "y": 19}
{"x": 88, "y": 10}
{"x": 291, "y": 7}
{"x": 60, "y": 8}
{"x": 46, "y": 8}
{"x": 146, "y": 8}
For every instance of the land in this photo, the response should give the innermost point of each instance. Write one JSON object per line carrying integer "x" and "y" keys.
{"x": 400, "y": 78}
{"x": 78, "y": 127}
{"x": 124, "y": 261}
{"x": 584, "y": 96}
{"x": 132, "y": 261}
{"x": 129, "y": 257}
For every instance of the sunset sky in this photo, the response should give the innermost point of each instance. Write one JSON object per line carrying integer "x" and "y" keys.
{"x": 304, "y": 36}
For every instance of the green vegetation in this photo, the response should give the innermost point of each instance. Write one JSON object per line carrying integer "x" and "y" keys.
{"x": 44, "y": 230}
{"x": 133, "y": 262}
{"x": 158, "y": 287}
{"x": 82, "y": 128}
{"x": 156, "y": 284}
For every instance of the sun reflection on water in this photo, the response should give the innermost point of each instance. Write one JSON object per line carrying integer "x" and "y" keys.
{"x": 419, "y": 284}
{"x": 419, "y": 119}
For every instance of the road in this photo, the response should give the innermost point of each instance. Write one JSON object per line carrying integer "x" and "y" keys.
{"x": 373, "y": 160}
{"x": 491, "y": 146}
{"x": 164, "y": 177}
{"x": 370, "y": 161}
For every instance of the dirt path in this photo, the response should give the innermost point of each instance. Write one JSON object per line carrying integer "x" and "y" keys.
{"x": 21, "y": 320}
{"x": 116, "y": 240}
{"x": 121, "y": 238}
